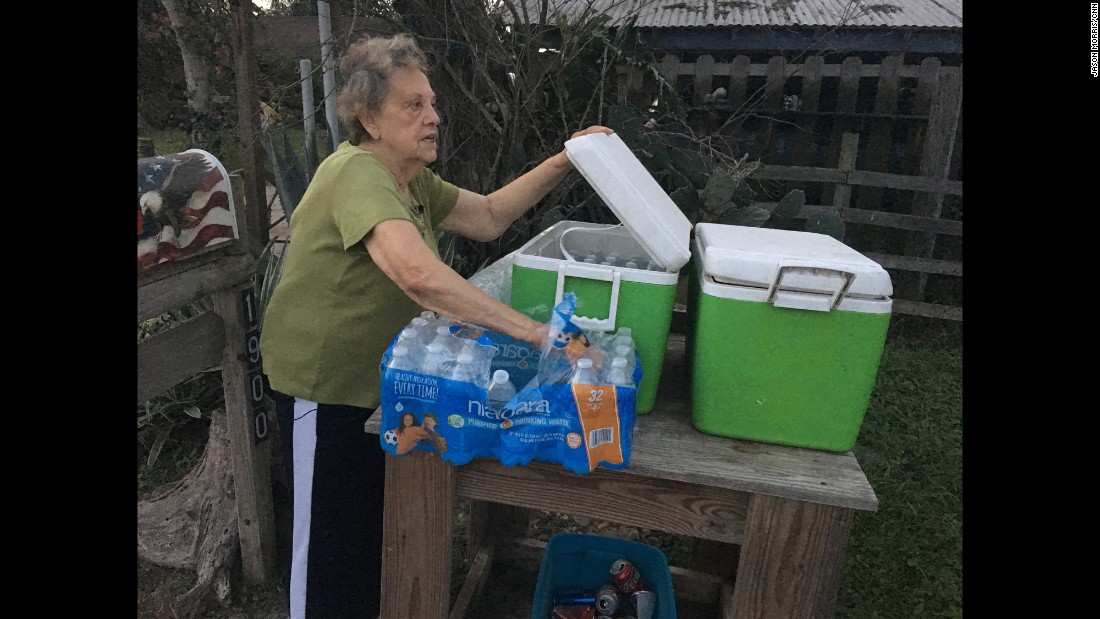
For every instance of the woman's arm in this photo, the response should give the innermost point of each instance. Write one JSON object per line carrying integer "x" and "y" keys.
{"x": 484, "y": 218}
{"x": 397, "y": 248}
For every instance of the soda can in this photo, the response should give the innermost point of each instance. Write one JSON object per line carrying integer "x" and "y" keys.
{"x": 607, "y": 599}
{"x": 645, "y": 603}
{"x": 626, "y": 577}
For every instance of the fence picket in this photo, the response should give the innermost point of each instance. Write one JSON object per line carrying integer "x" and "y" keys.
{"x": 878, "y": 144}
{"x": 739, "y": 81}
{"x": 845, "y": 102}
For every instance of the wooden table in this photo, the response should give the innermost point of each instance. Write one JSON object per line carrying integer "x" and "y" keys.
{"x": 772, "y": 522}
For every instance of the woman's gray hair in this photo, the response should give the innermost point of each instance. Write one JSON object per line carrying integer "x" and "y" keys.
{"x": 367, "y": 67}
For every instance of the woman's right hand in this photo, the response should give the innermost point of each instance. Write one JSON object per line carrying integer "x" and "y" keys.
{"x": 537, "y": 335}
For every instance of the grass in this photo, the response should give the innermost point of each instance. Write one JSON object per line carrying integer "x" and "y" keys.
{"x": 905, "y": 560}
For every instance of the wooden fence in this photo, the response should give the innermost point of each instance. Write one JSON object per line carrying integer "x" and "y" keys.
{"x": 880, "y": 142}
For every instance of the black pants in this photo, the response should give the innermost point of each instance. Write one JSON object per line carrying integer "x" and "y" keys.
{"x": 336, "y": 473}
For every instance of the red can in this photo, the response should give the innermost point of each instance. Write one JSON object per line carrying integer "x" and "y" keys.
{"x": 626, "y": 577}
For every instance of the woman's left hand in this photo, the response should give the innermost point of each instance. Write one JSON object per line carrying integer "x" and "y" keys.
{"x": 593, "y": 129}
{"x": 562, "y": 160}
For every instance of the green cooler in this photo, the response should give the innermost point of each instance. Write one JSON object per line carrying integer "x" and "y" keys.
{"x": 630, "y": 279}
{"x": 786, "y": 334}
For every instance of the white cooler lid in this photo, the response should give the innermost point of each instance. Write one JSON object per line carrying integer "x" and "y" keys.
{"x": 751, "y": 256}
{"x": 635, "y": 197}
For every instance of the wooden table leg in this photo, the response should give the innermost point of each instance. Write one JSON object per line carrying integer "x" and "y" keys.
{"x": 791, "y": 559}
{"x": 418, "y": 533}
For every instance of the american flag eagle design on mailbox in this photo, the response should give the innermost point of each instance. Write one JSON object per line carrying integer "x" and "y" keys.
{"x": 185, "y": 204}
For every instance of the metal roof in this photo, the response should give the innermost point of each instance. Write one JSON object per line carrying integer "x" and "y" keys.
{"x": 697, "y": 13}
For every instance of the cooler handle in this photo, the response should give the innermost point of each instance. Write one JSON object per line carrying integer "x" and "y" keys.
{"x": 614, "y": 276}
{"x": 809, "y": 301}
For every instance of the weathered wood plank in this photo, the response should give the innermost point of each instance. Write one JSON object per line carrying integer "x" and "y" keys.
{"x": 200, "y": 279}
{"x": 416, "y": 566}
{"x": 685, "y": 509}
{"x": 251, "y": 460}
{"x": 704, "y": 73}
{"x": 669, "y": 70}
{"x": 739, "y": 82}
{"x": 474, "y": 583}
{"x": 811, "y": 83}
{"x": 800, "y": 546}
{"x": 928, "y": 310}
{"x": 849, "y": 144}
{"x": 879, "y": 141}
{"x": 801, "y": 173}
{"x": 803, "y": 144}
{"x": 879, "y": 218}
{"x": 899, "y": 181}
{"x": 921, "y": 265}
{"x": 773, "y": 84}
{"x": 848, "y": 88}
{"x": 849, "y": 84}
{"x": 943, "y": 123}
{"x": 859, "y": 177}
{"x": 170, "y": 357}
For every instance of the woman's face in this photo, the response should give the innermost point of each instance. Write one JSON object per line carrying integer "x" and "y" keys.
{"x": 407, "y": 125}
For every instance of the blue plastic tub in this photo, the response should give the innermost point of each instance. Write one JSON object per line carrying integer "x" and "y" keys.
{"x": 579, "y": 561}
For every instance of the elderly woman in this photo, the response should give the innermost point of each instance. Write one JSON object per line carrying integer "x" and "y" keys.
{"x": 362, "y": 263}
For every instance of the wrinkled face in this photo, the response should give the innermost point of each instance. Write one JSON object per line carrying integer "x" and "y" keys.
{"x": 407, "y": 125}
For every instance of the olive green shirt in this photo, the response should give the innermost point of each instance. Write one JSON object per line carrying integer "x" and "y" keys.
{"x": 334, "y": 312}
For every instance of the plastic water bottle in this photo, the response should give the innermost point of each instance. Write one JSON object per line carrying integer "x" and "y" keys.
{"x": 627, "y": 353}
{"x": 409, "y": 338}
{"x": 445, "y": 338}
{"x": 630, "y": 264}
{"x": 420, "y": 323}
{"x": 437, "y": 360}
{"x": 400, "y": 359}
{"x": 584, "y": 374}
{"x": 465, "y": 369}
{"x": 501, "y": 390}
{"x": 618, "y": 374}
{"x": 624, "y": 337}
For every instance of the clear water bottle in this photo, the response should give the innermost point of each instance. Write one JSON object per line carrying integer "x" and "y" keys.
{"x": 624, "y": 337}
{"x": 437, "y": 360}
{"x": 446, "y": 339}
{"x": 626, "y": 352}
{"x": 501, "y": 390}
{"x": 421, "y": 324}
{"x": 630, "y": 264}
{"x": 409, "y": 338}
{"x": 584, "y": 374}
{"x": 401, "y": 359}
{"x": 618, "y": 374}
{"x": 464, "y": 369}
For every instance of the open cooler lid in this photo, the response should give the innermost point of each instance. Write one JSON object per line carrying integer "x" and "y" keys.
{"x": 805, "y": 262}
{"x": 635, "y": 197}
